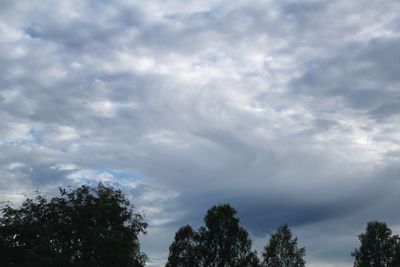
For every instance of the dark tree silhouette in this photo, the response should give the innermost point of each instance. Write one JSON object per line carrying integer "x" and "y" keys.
{"x": 282, "y": 250}
{"x": 87, "y": 226}
{"x": 184, "y": 251}
{"x": 378, "y": 247}
{"x": 221, "y": 243}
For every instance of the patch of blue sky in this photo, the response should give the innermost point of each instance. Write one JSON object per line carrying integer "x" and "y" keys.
{"x": 32, "y": 32}
{"x": 33, "y": 139}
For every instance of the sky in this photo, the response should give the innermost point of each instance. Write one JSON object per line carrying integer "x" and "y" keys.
{"x": 287, "y": 110}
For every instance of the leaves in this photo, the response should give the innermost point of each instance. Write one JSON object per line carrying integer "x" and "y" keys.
{"x": 282, "y": 250}
{"x": 184, "y": 251}
{"x": 221, "y": 243}
{"x": 88, "y": 226}
{"x": 379, "y": 248}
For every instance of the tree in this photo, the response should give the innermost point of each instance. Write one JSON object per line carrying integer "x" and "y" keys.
{"x": 183, "y": 251}
{"x": 378, "y": 247}
{"x": 221, "y": 243}
{"x": 396, "y": 258}
{"x": 282, "y": 250}
{"x": 88, "y": 226}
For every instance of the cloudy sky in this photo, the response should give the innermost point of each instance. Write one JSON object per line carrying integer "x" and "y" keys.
{"x": 288, "y": 110}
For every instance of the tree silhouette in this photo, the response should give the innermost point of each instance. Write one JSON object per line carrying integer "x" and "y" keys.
{"x": 184, "y": 250}
{"x": 88, "y": 226}
{"x": 222, "y": 242}
{"x": 282, "y": 250}
{"x": 378, "y": 247}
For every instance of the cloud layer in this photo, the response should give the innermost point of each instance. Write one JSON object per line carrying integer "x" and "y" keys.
{"x": 290, "y": 111}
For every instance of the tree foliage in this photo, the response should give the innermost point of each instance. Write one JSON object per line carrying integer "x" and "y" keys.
{"x": 379, "y": 248}
{"x": 222, "y": 242}
{"x": 184, "y": 249}
{"x": 97, "y": 226}
{"x": 87, "y": 226}
{"x": 282, "y": 250}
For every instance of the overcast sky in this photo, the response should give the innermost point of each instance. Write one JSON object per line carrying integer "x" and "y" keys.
{"x": 288, "y": 110}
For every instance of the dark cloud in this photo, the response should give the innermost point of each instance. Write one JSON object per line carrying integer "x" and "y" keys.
{"x": 386, "y": 110}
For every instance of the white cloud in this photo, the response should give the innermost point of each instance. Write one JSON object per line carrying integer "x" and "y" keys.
{"x": 103, "y": 108}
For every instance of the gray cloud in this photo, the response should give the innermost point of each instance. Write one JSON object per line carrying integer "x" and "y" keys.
{"x": 280, "y": 108}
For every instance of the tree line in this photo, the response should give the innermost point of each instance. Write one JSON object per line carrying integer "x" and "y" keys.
{"x": 97, "y": 226}
{"x": 224, "y": 242}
